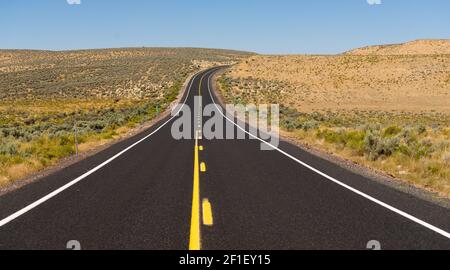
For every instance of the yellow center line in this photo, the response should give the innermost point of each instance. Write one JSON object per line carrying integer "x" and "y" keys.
{"x": 194, "y": 239}
{"x": 200, "y": 85}
{"x": 195, "y": 234}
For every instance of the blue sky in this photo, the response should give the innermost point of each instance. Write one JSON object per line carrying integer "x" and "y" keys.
{"x": 283, "y": 26}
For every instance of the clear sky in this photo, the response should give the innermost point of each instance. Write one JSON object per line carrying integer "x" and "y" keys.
{"x": 263, "y": 26}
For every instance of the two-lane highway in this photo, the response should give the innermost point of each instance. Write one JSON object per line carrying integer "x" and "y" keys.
{"x": 154, "y": 192}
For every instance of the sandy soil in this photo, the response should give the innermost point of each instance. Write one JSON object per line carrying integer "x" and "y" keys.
{"x": 414, "y": 83}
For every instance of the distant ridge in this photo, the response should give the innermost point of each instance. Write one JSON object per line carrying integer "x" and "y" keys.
{"x": 416, "y": 47}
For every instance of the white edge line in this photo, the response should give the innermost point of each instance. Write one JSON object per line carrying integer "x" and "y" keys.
{"x": 385, "y": 205}
{"x": 73, "y": 182}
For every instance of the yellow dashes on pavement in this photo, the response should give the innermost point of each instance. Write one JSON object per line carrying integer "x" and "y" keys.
{"x": 195, "y": 230}
{"x": 203, "y": 167}
{"x": 207, "y": 213}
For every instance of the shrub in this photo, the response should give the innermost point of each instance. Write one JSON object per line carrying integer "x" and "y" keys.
{"x": 65, "y": 140}
{"x": 97, "y": 125}
{"x": 291, "y": 124}
{"x": 433, "y": 169}
{"x": 421, "y": 129}
{"x": 408, "y": 135}
{"x": 310, "y": 125}
{"x": 355, "y": 140}
{"x": 329, "y": 136}
{"x": 392, "y": 131}
{"x": 8, "y": 148}
{"x": 376, "y": 146}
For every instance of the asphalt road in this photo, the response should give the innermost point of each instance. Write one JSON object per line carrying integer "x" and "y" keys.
{"x": 154, "y": 192}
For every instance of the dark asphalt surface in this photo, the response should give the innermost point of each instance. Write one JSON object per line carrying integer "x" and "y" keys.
{"x": 260, "y": 200}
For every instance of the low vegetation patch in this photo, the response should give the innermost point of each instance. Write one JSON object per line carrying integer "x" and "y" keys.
{"x": 31, "y": 142}
{"x": 103, "y": 93}
{"x": 367, "y": 109}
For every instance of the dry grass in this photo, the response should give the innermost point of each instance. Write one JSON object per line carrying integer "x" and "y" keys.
{"x": 20, "y": 170}
{"x": 417, "y": 47}
{"x": 106, "y": 92}
{"x": 430, "y": 171}
{"x": 315, "y": 83}
{"x": 388, "y": 112}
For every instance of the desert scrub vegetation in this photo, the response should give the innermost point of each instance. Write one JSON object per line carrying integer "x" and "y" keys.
{"x": 110, "y": 73}
{"x": 33, "y": 140}
{"x": 412, "y": 83}
{"x": 415, "y": 151}
{"x": 105, "y": 93}
{"x": 387, "y": 112}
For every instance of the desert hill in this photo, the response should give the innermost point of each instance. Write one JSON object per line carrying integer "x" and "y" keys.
{"x": 421, "y": 47}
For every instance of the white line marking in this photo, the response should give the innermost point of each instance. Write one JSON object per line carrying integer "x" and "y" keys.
{"x": 73, "y": 182}
{"x": 400, "y": 212}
